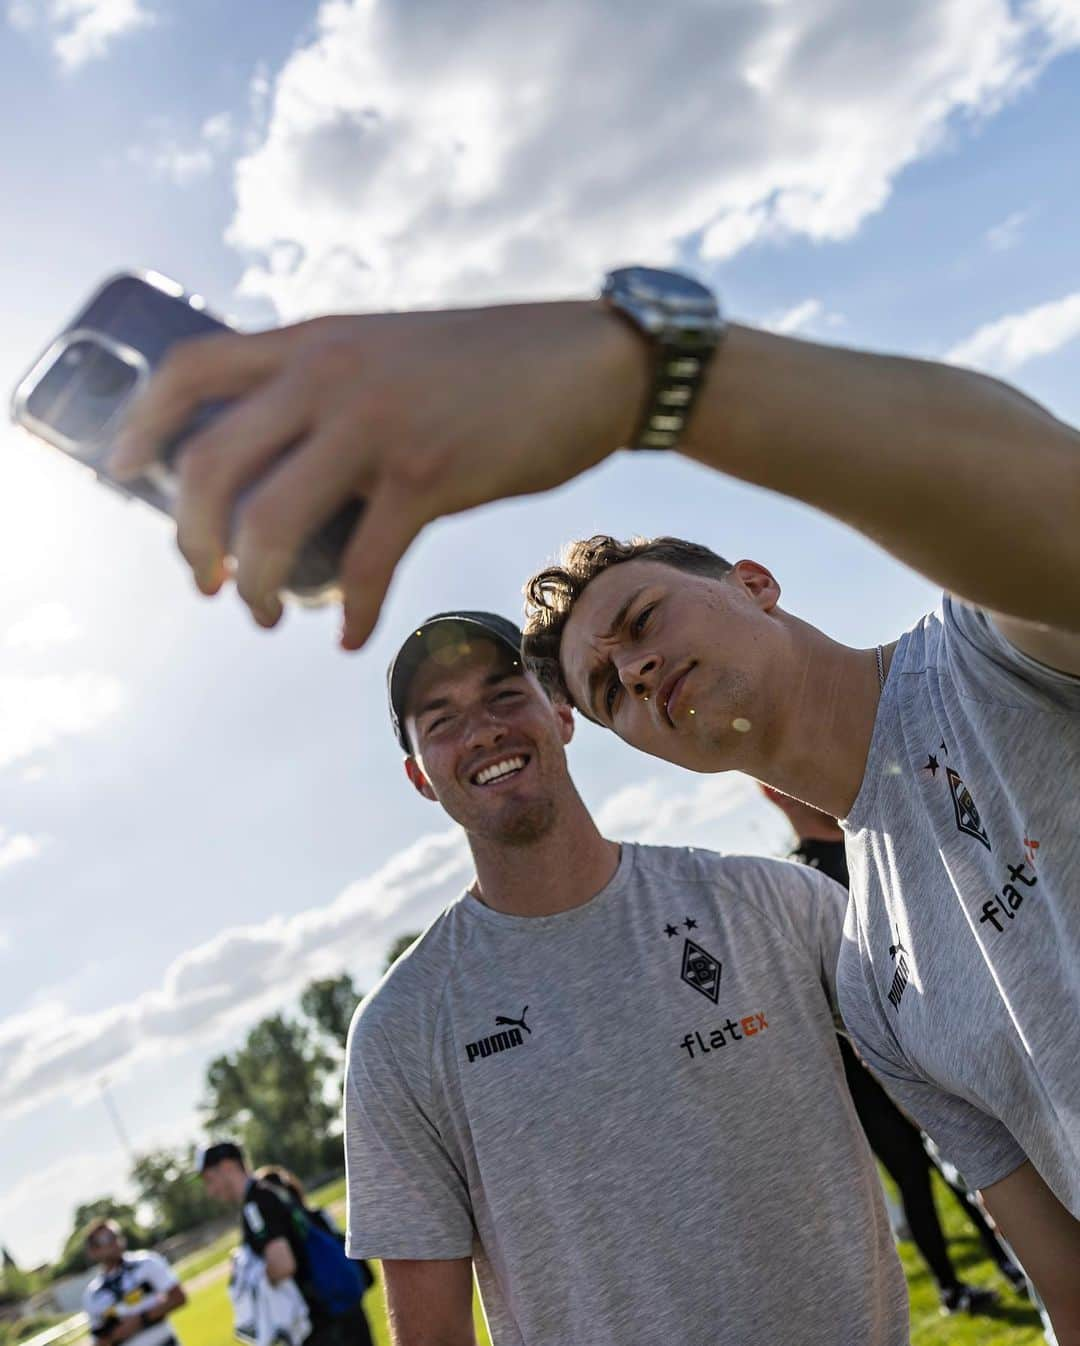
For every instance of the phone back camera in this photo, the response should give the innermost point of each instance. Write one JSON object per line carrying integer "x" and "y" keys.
{"x": 83, "y": 390}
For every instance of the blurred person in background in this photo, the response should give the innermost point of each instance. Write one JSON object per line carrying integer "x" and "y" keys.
{"x": 132, "y": 1295}
{"x": 277, "y": 1226}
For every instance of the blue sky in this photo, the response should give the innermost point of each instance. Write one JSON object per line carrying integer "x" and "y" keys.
{"x": 195, "y": 817}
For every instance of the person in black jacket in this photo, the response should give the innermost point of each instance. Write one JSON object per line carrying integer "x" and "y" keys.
{"x": 270, "y": 1202}
{"x": 894, "y": 1139}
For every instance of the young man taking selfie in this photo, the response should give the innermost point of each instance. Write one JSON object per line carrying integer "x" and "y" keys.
{"x": 958, "y": 977}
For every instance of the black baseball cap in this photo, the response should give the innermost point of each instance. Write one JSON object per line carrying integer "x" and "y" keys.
{"x": 212, "y": 1155}
{"x": 444, "y": 633}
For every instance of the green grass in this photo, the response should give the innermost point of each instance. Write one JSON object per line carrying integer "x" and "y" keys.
{"x": 207, "y": 1318}
{"x": 207, "y": 1257}
{"x": 1015, "y": 1323}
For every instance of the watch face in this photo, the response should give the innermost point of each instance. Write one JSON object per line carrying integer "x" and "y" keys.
{"x": 647, "y": 285}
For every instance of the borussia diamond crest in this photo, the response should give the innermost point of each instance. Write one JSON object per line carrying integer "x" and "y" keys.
{"x": 701, "y": 970}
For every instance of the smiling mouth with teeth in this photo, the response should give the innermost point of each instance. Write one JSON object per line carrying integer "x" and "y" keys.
{"x": 509, "y": 766}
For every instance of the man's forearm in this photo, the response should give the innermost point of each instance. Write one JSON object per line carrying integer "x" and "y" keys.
{"x": 958, "y": 475}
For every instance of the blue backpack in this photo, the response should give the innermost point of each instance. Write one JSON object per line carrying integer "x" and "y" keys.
{"x": 337, "y": 1280}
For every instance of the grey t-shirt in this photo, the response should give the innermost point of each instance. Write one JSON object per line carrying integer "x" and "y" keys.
{"x": 960, "y": 972}
{"x": 631, "y": 1115}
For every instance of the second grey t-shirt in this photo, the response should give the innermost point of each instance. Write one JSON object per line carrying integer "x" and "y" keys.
{"x": 631, "y": 1115}
{"x": 960, "y": 973}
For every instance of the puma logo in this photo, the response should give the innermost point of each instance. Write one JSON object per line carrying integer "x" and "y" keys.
{"x": 514, "y": 1023}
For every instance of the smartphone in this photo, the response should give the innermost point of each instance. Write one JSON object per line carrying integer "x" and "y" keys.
{"x": 75, "y": 395}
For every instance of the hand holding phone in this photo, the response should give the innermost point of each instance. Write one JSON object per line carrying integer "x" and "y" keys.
{"x": 421, "y": 414}
{"x": 77, "y": 393}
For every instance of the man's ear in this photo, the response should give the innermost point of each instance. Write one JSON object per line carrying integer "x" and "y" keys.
{"x": 420, "y": 782}
{"x": 564, "y": 713}
{"x": 760, "y": 582}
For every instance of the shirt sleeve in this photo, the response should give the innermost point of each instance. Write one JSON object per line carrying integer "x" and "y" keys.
{"x": 158, "y": 1272}
{"x": 94, "y": 1312}
{"x": 277, "y": 1221}
{"x": 821, "y": 916}
{"x": 265, "y": 1217}
{"x": 406, "y": 1196}
{"x": 809, "y": 909}
{"x": 979, "y": 1145}
{"x": 985, "y": 665}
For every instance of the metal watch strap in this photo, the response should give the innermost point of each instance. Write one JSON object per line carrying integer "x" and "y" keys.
{"x": 681, "y": 320}
{"x": 675, "y": 386}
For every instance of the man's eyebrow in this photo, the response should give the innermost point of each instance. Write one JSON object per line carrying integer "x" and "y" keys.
{"x": 441, "y": 702}
{"x": 598, "y": 674}
{"x": 505, "y": 674}
{"x": 435, "y": 703}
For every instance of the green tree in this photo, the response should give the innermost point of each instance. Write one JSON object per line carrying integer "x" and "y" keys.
{"x": 15, "y": 1285}
{"x": 166, "y": 1182}
{"x": 398, "y": 948}
{"x": 273, "y": 1095}
{"x": 329, "y": 1003}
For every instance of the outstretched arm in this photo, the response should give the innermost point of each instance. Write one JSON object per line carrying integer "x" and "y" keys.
{"x": 958, "y": 475}
{"x": 426, "y": 414}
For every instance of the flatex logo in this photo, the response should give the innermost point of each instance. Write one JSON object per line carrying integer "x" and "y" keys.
{"x": 511, "y": 1036}
{"x": 702, "y": 970}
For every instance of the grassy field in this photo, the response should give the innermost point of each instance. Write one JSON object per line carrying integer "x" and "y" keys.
{"x": 207, "y": 1318}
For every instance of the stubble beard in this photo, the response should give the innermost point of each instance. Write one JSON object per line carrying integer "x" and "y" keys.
{"x": 526, "y": 825}
{"x": 733, "y": 703}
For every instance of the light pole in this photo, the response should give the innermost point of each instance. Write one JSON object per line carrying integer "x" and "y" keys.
{"x": 110, "y": 1107}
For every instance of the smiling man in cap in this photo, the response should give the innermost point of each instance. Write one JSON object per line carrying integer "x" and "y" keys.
{"x": 594, "y": 1077}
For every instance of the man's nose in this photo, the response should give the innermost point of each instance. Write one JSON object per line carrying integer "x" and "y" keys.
{"x": 640, "y": 675}
{"x": 484, "y": 726}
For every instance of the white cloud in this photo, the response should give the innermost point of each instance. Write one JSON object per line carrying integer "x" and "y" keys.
{"x": 16, "y": 847}
{"x": 47, "y": 625}
{"x": 57, "y": 1187}
{"x": 231, "y": 978}
{"x": 1001, "y": 347}
{"x": 1006, "y": 234}
{"x": 796, "y": 319}
{"x": 80, "y": 30}
{"x": 653, "y": 812}
{"x": 247, "y": 970}
{"x": 37, "y": 1209}
{"x": 218, "y": 130}
{"x": 435, "y": 153}
{"x": 182, "y": 163}
{"x": 36, "y": 711}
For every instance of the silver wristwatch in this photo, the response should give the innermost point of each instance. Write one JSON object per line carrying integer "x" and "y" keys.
{"x": 682, "y": 320}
